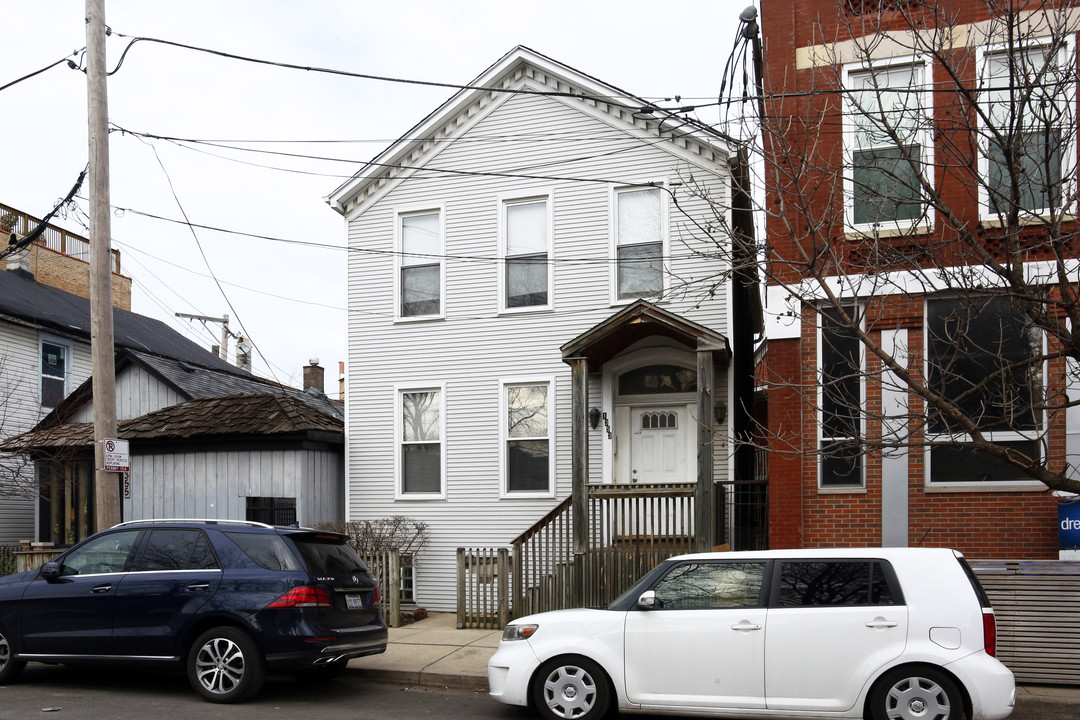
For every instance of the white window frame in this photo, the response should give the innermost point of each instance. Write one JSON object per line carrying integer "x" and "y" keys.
{"x": 69, "y": 349}
{"x": 613, "y": 247}
{"x": 399, "y": 431}
{"x": 1069, "y": 112}
{"x": 925, "y": 220}
{"x": 504, "y": 436}
{"x": 1040, "y": 435}
{"x": 399, "y": 257}
{"x": 505, "y": 201}
{"x": 861, "y": 486}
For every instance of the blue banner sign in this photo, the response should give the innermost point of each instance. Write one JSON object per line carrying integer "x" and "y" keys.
{"x": 1069, "y": 525}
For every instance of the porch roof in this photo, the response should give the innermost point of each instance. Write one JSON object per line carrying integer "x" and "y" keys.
{"x": 636, "y": 322}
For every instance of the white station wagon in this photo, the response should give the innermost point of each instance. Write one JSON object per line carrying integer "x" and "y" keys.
{"x": 897, "y": 633}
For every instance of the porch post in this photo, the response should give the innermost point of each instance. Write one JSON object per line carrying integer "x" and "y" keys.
{"x": 579, "y": 499}
{"x": 704, "y": 495}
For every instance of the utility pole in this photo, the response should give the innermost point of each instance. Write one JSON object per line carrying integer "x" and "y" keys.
{"x": 224, "y": 320}
{"x": 102, "y": 345}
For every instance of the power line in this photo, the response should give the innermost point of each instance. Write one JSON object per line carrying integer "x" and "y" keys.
{"x": 66, "y": 59}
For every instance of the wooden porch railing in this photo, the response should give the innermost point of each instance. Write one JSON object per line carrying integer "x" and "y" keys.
{"x": 631, "y": 529}
{"x": 54, "y": 238}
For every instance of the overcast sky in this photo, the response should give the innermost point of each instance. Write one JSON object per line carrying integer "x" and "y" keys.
{"x": 288, "y": 295}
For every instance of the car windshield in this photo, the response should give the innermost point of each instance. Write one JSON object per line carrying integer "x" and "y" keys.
{"x": 326, "y": 555}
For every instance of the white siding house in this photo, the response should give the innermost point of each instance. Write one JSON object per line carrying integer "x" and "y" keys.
{"x": 488, "y": 239}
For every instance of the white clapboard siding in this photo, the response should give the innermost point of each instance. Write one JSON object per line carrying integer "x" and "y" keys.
{"x": 474, "y": 347}
{"x": 20, "y": 410}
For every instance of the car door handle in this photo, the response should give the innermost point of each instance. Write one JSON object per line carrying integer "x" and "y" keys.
{"x": 745, "y": 627}
{"x": 881, "y": 624}
{"x": 196, "y": 587}
{"x": 101, "y": 589}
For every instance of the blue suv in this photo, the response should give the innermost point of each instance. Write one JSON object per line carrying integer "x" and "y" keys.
{"x": 225, "y": 600}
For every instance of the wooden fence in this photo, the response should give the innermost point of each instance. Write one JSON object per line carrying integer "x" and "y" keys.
{"x": 386, "y": 567}
{"x": 1037, "y": 604}
{"x": 7, "y": 559}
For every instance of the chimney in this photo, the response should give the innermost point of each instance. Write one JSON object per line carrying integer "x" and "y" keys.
{"x": 243, "y": 354}
{"x": 313, "y": 375}
{"x": 20, "y": 259}
{"x": 341, "y": 380}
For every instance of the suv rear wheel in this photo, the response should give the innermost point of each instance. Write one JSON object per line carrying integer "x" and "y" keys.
{"x": 225, "y": 665}
{"x": 916, "y": 693}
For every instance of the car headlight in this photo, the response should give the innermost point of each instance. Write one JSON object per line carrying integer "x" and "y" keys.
{"x": 519, "y": 632}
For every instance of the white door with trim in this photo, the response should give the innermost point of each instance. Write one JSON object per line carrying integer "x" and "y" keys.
{"x": 659, "y": 444}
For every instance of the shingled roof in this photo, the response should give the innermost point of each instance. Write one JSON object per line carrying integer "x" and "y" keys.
{"x": 24, "y": 300}
{"x": 263, "y": 415}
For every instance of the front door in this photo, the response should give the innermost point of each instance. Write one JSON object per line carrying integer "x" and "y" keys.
{"x": 658, "y": 443}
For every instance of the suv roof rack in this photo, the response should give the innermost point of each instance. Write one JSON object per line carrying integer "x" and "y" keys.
{"x": 213, "y": 521}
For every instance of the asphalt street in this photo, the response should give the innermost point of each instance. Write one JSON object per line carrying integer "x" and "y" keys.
{"x": 73, "y": 693}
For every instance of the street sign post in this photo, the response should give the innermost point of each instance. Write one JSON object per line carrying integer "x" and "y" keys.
{"x": 117, "y": 458}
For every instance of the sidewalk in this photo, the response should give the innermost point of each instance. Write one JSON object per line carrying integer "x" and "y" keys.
{"x": 434, "y": 653}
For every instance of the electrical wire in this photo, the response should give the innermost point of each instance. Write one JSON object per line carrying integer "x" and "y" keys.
{"x": 66, "y": 59}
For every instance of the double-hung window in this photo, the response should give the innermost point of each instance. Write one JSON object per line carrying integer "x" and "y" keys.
{"x": 986, "y": 357}
{"x": 420, "y": 264}
{"x": 526, "y": 242}
{"x": 1028, "y": 128}
{"x": 55, "y": 370}
{"x": 842, "y": 383}
{"x": 421, "y": 459}
{"x": 639, "y": 242}
{"x": 887, "y": 147}
{"x": 528, "y": 455}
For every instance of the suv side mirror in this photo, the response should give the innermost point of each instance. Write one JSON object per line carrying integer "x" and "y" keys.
{"x": 51, "y": 571}
{"x": 647, "y": 600}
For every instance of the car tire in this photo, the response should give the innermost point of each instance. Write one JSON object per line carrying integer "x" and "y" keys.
{"x": 225, "y": 665}
{"x": 571, "y": 687}
{"x": 9, "y": 668}
{"x": 916, "y": 692}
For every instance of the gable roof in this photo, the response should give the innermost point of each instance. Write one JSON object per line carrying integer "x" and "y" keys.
{"x": 525, "y": 70}
{"x": 265, "y": 415}
{"x": 25, "y": 301}
{"x": 637, "y": 321}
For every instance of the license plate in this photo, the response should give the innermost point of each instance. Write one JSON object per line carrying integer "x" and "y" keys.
{"x": 354, "y": 601}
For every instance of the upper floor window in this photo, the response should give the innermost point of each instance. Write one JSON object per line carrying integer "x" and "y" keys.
{"x": 527, "y": 455}
{"x": 842, "y": 384}
{"x": 526, "y": 240}
{"x": 986, "y": 357}
{"x": 55, "y": 371}
{"x": 639, "y": 242}
{"x": 420, "y": 284}
{"x": 888, "y": 151}
{"x": 1027, "y": 139}
{"x": 420, "y": 442}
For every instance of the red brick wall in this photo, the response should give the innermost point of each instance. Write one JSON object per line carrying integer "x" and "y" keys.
{"x": 72, "y": 275}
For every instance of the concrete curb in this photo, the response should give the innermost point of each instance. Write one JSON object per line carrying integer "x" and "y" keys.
{"x": 424, "y": 679}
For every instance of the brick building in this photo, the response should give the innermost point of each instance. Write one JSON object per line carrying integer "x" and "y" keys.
{"x": 921, "y": 180}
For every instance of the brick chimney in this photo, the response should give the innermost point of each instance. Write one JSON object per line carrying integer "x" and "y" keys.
{"x": 313, "y": 375}
{"x": 20, "y": 259}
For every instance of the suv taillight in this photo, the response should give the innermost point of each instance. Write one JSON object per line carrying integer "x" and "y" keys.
{"x": 990, "y": 633}
{"x": 376, "y": 596}
{"x": 304, "y": 596}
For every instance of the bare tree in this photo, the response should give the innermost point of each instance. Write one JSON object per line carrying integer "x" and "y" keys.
{"x": 920, "y": 190}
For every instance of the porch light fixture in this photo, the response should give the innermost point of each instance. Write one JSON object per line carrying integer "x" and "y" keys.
{"x": 720, "y": 412}
{"x": 594, "y": 418}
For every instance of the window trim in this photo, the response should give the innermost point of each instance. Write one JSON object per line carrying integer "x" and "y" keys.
{"x": 925, "y": 220}
{"x": 613, "y": 241}
{"x": 546, "y": 195}
{"x": 399, "y": 428}
{"x": 399, "y": 255}
{"x": 69, "y": 347}
{"x": 860, "y": 487}
{"x": 1038, "y": 436}
{"x": 504, "y": 430}
{"x": 1068, "y": 106}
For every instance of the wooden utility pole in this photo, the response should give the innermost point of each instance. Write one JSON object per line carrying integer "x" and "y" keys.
{"x": 102, "y": 346}
{"x": 224, "y": 320}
